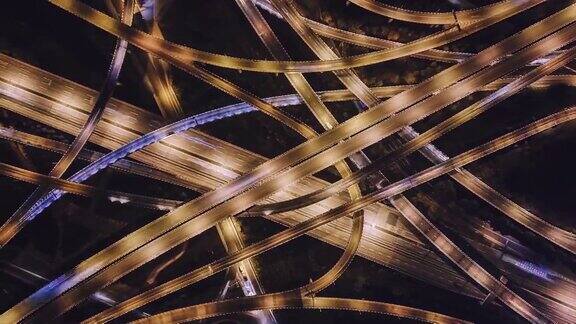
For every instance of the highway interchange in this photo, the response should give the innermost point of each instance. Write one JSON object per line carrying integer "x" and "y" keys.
{"x": 538, "y": 47}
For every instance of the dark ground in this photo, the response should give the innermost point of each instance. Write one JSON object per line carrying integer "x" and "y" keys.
{"x": 537, "y": 174}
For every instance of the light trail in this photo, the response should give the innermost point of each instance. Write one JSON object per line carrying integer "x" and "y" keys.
{"x": 22, "y": 215}
{"x": 374, "y": 42}
{"x": 483, "y": 278}
{"x": 328, "y": 121}
{"x": 32, "y": 277}
{"x": 185, "y": 57}
{"x": 488, "y": 75}
{"x": 407, "y": 209}
{"x": 32, "y": 177}
{"x": 412, "y": 208}
{"x": 416, "y": 142}
{"x": 157, "y": 74}
{"x": 127, "y": 166}
{"x": 379, "y": 259}
{"x": 438, "y": 18}
{"x": 278, "y": 301}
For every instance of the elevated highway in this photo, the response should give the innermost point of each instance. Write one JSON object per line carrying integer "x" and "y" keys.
{"x": 185, "y": 57}
{"x": 438, "y": 18}
{"x": 22, "y": 215}
{"x": 357, "y": 142}
{"x": 478, "y": 274}
{"x": 277, "y": 301}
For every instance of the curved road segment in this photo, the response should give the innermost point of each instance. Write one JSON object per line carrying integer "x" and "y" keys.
{"x": 328, "y": 121}
{"x": 438, "y": 18}
{"x": 176, "y": 224}
{"x": 470, "y": 267}
{"x": 185, "y": 57}
{"x": 274, "y": 301}
{"x": 22, "y": 215}
{"x": 481, "y": 189}
{"x": 448, "y": 95}
{"x": 416, "y": 141}
{"x": 85, "y": 190}
{"x": 372, "y": 42}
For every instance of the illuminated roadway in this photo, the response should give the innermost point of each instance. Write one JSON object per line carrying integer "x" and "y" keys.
{"x": 395, "y": 262}
{"x": 438, "y": 18}
{"x": 372, "y": 248}
{"x": 157, "y": 75}
{"x": 439, "y": 240}
{"x": 123, "y": 165}
{"x": 28, "y": 276}
{"x": 416, "y": 141}
{"x": 17, "y": 221}
{"x": 381, "y": 43}
{"x": 67, "y": 123}
{"x": 44, "y": 142}
{"x": 372, "y": 42}
{"x": 410, "y": 210}
{"x": 85, "y": 190}
{"x": 352, "y": 82}
{"x": 194, "y": 122}
{"x": 279, "y": 301}
{"x": 320, "y": 161}
{"x": 185, "y": 57}
{"x": 351, "y": 126}
{"x": 355, "y": 85}
{"x": 305, "y": 131}
{"x": 327, "y": 120}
